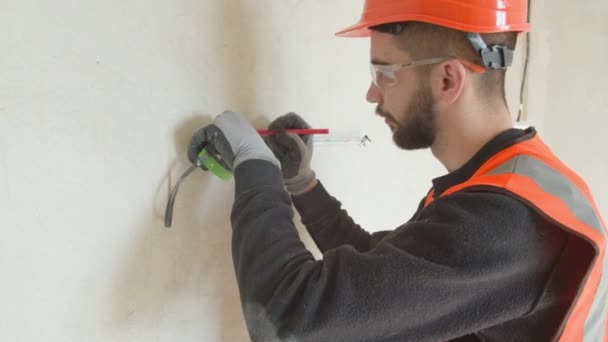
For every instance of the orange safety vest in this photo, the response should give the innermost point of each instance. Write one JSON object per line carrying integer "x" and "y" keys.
{"x": 530, "y": 172}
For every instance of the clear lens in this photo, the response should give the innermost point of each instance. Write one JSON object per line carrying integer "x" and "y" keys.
{"x": 382, "y": 78}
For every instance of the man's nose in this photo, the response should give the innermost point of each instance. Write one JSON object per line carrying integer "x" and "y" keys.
{"x": 373, "y": 94}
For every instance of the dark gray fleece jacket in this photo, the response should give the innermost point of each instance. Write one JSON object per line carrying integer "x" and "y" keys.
{"x": 472, "y": 266}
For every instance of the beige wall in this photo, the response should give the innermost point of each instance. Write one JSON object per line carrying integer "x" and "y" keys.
{"x": 98, "y": 100}
{"x": 569, "y": 86}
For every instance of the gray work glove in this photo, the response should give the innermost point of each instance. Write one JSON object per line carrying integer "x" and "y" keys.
{"x": 234, "y": 139}
{"x": 293, "y": 151}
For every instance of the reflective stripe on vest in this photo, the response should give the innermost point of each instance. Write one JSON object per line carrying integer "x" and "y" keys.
{"x": 530, "y": 171}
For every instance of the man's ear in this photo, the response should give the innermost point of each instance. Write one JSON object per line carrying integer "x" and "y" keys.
{"x": 448, "y": 81}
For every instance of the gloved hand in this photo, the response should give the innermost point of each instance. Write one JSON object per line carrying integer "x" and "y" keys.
{"x": 234, "y": 139}
{"x": 294, "y": 152}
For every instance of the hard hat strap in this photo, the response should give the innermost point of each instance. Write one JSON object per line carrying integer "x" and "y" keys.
{"x": 493, "y": 56}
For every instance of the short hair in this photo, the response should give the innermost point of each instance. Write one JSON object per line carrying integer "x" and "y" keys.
{"x": 423, "y": 40}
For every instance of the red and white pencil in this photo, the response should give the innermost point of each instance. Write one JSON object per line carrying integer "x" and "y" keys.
{"x": 309, "y": 131}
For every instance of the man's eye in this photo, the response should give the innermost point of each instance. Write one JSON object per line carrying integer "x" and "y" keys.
{"x": 387, "y": 75}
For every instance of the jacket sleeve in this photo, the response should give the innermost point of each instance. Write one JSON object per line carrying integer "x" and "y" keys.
{"x": 451, "y": 271}
{"x": 329, "y": 225}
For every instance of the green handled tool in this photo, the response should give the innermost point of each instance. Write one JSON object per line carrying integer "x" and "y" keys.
{"x": 209, "y": 159}
{"x": 213, "y": 162}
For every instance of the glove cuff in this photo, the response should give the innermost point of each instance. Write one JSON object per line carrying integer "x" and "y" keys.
{"x": 300, "y": 183}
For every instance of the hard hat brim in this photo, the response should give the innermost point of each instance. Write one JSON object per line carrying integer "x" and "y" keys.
{"x": 361, "y": 29}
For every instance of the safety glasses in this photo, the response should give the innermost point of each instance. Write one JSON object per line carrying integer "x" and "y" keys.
{"x": 383, "y": 76}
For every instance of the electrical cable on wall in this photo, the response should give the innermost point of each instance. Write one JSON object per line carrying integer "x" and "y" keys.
{"x": 523, "y": 98}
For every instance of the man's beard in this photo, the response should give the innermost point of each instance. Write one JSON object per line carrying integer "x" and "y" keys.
{"x": 418, "y": 131}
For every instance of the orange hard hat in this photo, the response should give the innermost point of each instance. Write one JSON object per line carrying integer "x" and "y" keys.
{"x": 477, "y": 16}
